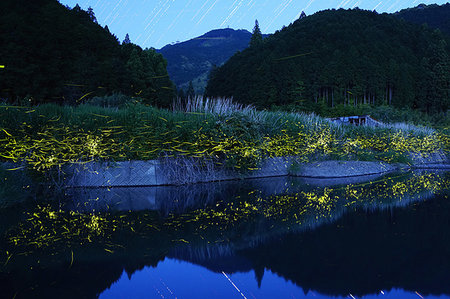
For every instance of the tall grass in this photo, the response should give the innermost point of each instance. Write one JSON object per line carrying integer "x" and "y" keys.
{"x": 236, "y": 135}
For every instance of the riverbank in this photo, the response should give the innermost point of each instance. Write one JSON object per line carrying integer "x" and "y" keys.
{"x": 183, "y": 171}
{"x": 204, "y": 141}
{"x": 48, "y": 136}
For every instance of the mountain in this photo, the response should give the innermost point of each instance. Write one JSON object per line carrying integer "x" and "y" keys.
{"x": 435, "y": 16}
{"x": 346, "y": 57}
{"x": 53, "y": 53}
{"x": 193, "y": 59}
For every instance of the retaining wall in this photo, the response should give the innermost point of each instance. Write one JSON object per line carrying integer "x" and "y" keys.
{"x": 179, "y": 172}
{"x": 160, "y": 173}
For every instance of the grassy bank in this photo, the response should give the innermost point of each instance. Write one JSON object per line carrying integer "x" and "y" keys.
{"x": 384, "y": 113}
{"x": 48, "y": 136}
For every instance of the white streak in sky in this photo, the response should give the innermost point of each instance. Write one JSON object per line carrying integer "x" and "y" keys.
{"x": 285, "y": 5}
{"x": 232, "y": 13}
{"x": 305, "y": 8}
{"x": 153, "y": 12}
{"x": 115, "y": 17}
{"x": 356, "y": 4}
{"x": 251, "y": 3}
{"x": 156, "y": 15}
{"x": 343, "y": 3}
{"x": 117, "y": 5}
{"x": 198, "y": 11}
{"x": 392, "y": 6}
{"x": 148, "y": 37}
{"x": 179, "y": 14}
{"x": 259, "y": 9}
{"x": 232, "y": 5}
{"x": 139, "y": 37}
{"x": 204, "y": 15}
{"x": 112, "y": 11}
{"x": 377, "y": 5}
{"x": 250, "y": 6}
{"x": 103, "y": 8}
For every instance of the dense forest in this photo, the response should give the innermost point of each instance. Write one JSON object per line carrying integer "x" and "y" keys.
{"x": 435, "y": 16}
{"x": 347, "y": 57}
{"x": 53, "y": 53}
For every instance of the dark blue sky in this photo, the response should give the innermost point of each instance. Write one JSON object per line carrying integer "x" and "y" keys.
{"x": 155, "y": 23}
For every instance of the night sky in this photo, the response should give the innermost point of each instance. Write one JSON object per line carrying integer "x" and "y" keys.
{"x": 155, "y": 23}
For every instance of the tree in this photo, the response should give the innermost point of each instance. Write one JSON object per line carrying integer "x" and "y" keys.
{"x": 127, "y": 40}
{"x": 297, "y": 94}
{"x": 91, "y": 14}
{"x": 54, "y": 53}
{"x": 256, "y": 38}
{"x": 302, "y": 15}
{"x": 136, "y": 72}
{"x": 349, "y": 57}
{"x": 190, "y": 93}
{"x": 180, "y": 94}
{"x": 77, "y": 8}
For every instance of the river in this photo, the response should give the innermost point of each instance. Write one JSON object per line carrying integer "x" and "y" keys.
{"x": 367, "y": 237}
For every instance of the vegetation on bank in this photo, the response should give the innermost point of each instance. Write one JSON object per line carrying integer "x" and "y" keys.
{"x": 383, "y": 113}
{"x": 48, "y": 136}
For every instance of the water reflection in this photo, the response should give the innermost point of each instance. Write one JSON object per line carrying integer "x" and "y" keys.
{"x": 179, "y": 199}
{"x": 190, "y": 281}
{"x": 345, "y": 237}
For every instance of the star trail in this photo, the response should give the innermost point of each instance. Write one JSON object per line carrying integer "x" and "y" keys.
{"x": 158, "y": 23}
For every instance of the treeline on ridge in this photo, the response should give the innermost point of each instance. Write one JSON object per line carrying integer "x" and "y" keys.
{"x": 348, "y": 57}
{"x": 435, "y": 16}
{"x": 53, "y": 53}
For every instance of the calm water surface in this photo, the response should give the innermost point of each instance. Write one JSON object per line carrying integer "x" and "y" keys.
{"x": 370, "y": 237}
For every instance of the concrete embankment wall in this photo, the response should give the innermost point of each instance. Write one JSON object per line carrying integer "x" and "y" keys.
{"x": 437, "y": 160}
{"x": 165, "y": 172}
{"x": 186, "y": 171}
{"x": 178, "y": 172}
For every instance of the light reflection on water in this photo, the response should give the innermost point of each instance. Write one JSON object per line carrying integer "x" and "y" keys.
{"x": 242, "y": 228}
{"x": 179, "y": 279}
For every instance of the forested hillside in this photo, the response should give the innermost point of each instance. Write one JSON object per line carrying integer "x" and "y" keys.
{"x": 341, "y": 56}
{"x": 435, "y": 16}
{"x": 52, "y": 53}
{"x": 193, "y": 59}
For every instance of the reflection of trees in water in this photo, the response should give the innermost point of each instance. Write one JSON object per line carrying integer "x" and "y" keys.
{"x": 181, "y": 199}
{"x": 307, "y": 210}
{"x": 244, "y": 219}
{"x": 86, "y": 278}
{"x": 365, "y": 252}
{"x": 170, "y": 199}
{"x": 133, "y": 240}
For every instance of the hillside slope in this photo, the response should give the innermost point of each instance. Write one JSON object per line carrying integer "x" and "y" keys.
{"x": 193, "y": 59}
{"x": 435, "y": 16}
{"x": 53, "y": 53}
{"x": 341, "y": 57}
